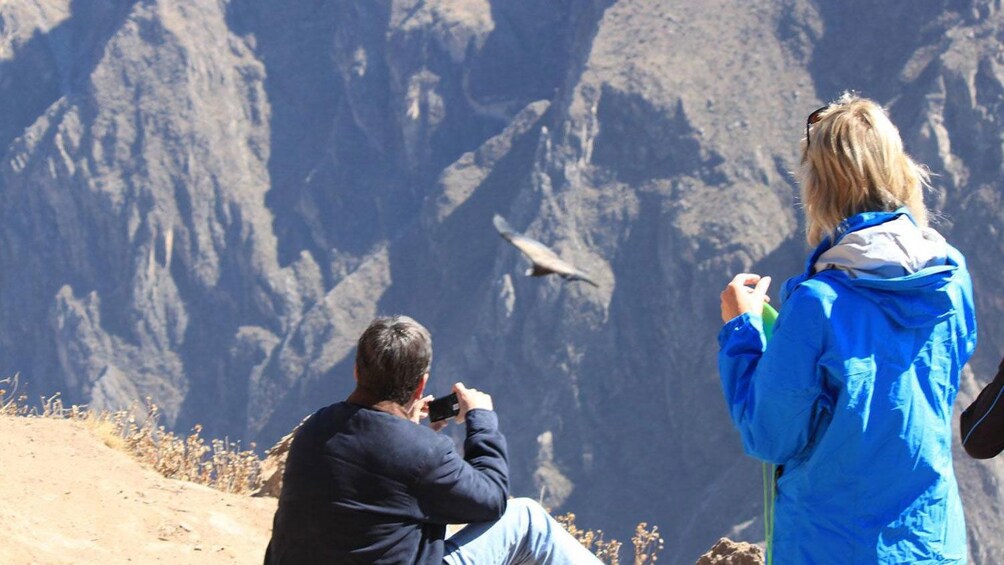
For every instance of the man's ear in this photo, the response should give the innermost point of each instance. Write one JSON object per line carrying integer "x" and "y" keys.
{"x": 355, "y": 373}
{"x": 420, "y": 389}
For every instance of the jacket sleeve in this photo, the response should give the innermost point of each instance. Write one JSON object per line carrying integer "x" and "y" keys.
{"x": 982, "y": 424}
{"x": 474, "y": 488}
{"x": 774, "y": 391}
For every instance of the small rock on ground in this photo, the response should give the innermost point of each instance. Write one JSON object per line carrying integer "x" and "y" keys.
{"x": 728, "y": 552}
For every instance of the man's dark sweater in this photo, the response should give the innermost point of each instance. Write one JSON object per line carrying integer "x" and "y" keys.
{"x": 983, "y": 422}
{"x": 365, "y": 486}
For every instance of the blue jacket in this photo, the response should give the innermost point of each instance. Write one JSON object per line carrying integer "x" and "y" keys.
{"x": 364, "y": 486}
{"x": 853, "y": 397}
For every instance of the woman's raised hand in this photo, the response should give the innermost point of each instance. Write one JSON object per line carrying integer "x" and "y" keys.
{"x": 739, "y": 298}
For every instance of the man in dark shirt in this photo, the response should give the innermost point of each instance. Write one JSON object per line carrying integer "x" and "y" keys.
{"x": 364, "y": 483}
{"x": 983, "y": 422}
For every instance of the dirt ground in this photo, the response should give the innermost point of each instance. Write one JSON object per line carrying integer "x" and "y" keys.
{"x": 66, "y": 497}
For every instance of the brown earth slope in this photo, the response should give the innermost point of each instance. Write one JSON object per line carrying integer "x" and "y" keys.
{"x": 66, "y": 497}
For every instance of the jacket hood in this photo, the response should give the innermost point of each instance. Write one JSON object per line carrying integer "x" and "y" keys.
{"x": 902, "y": 268}
{"x": 890, "y": 250}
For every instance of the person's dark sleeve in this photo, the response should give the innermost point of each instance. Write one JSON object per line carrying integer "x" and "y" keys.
{"x": 474, "y": 488}
{"x": 983, "y": 422}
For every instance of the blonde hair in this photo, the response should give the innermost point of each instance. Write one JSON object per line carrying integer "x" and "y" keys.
{"x": 854, "y": 162}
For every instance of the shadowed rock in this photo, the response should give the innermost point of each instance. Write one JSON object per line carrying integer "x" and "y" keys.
{"x": 274, "y": 465}
{"x": 728, "y": 552}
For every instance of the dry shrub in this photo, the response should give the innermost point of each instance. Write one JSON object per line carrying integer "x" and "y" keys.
{"x": 606, "y": 551}
{"x": 106, "y": 431}
{"x": 647, "y": 542}
{"x": 11, "y": 403}
{"x": 221, "y": 464}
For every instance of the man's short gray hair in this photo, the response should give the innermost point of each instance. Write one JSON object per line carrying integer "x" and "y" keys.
{"x": 392, "y": 356}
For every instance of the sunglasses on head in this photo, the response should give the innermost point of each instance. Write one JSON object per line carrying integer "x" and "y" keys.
{"x": 814, "y": 117}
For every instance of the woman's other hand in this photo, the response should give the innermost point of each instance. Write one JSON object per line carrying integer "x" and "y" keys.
{"x": 738, "y": 298}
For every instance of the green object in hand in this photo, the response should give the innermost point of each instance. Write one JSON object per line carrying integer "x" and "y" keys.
{"x": 769, "y": 471}
{"x": 769, "y": 317}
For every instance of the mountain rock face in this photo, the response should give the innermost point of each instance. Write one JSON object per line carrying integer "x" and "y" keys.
{"x": 206, "y": 202}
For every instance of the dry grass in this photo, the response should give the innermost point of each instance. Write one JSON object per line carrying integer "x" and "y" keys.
{"x": 607, "y": 551}
{"x": 11, "y": 403}
{"x": 221, "y": 464}
{"x": 224, "y": 466}
{"x": 647, "y": 542}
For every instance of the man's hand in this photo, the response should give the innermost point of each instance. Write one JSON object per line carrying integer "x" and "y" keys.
{"x": 420, "y": 409}
{"x": 469, "y": 399}
{"x": 738, "y": 298}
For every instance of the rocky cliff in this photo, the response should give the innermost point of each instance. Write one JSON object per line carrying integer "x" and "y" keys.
{"x": 205, "y": 203}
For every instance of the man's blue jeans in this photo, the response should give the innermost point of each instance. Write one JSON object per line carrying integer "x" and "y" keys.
{"x": 525, "y": 535}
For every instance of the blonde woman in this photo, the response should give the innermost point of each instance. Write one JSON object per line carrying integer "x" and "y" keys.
{"x": 853, "y": 394}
